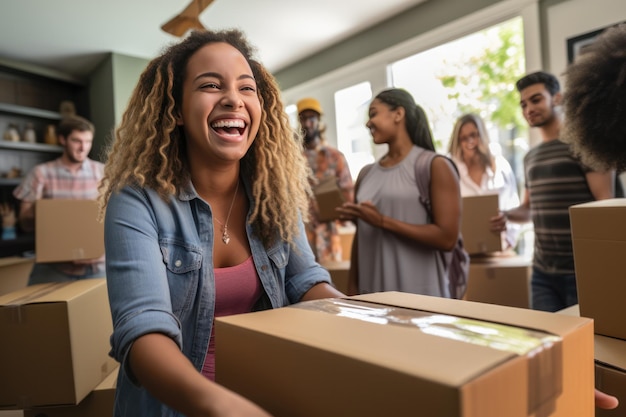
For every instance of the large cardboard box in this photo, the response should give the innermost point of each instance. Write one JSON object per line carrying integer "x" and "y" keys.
{"x": 99, "y": 403}
{"x": 610, "y": 371}
{"x": 503, "y": 280}
{"x": 475, "y": 225}
{"x": 398, "y": 354}
{"x": 55, "y": 343}
{"x": 67, "y": 230}
{"x": 14, "y": 273}
{"x": 599, "y": 241}
{"x": 339, "y": 274}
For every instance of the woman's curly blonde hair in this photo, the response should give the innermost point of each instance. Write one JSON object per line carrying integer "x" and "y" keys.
{"x": 149, "y": 149}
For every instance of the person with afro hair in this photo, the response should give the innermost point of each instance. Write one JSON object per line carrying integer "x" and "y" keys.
{"x": 595, "y": 113}
{"x": 595, "y": 101}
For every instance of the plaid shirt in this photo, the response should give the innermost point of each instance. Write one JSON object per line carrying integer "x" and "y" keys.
{"x": 54, "y": 180}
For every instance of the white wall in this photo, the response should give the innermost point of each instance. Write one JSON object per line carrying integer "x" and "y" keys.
{"x": 576, "y": 17}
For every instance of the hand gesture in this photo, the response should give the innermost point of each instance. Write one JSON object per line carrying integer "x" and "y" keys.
{"x": 366, "y": 211}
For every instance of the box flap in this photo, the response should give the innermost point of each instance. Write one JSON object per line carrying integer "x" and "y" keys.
{"x": 599, "y": 220}
{"x": 50, "y": 292}
{"x": 556, "y": 324}
{"x": 110, "y": 382}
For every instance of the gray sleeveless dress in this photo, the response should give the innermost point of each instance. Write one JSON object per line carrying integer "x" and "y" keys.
{"x": 386, "y": 261}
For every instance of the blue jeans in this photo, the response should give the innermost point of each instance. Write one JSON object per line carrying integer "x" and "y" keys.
{"x": 553, "y": 292}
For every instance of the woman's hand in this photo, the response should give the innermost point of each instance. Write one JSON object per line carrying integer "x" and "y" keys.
{"x": 365, "y": 211}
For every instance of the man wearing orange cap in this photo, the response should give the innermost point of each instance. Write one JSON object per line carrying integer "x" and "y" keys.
{"x": 325, "y": 161}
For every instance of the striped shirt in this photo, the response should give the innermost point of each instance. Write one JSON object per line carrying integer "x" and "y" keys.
{"x": 555, "y": 180}
{"x": 54, "y": 180}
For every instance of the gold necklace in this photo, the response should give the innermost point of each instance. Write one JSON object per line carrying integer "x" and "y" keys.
{"x": 225, "y": 235}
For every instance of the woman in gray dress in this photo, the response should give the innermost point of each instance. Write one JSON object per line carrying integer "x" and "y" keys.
{"x": 396, "y": 243}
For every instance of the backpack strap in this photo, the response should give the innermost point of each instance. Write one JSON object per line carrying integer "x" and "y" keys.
{"x": 422, "y": 176}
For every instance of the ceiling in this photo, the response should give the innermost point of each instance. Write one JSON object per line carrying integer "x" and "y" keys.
{"x": 72, "y": 36}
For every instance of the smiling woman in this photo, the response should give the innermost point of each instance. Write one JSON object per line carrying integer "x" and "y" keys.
{"x": 205, "y": 192}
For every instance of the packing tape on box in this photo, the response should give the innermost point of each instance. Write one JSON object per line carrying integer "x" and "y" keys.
{"x": 543, "y": 350}
{"x": 13, "y": 309}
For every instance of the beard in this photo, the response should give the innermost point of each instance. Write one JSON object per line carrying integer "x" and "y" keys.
{"x": 543, "y": 121}
{"x": 310, "y": 136}
{"x": 74, "y": 159}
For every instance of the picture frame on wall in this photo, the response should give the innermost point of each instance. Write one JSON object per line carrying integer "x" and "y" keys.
{"x": 577, "y": 43}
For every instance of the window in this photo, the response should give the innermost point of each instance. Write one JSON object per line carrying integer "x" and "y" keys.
{"x": 354, "y": 139}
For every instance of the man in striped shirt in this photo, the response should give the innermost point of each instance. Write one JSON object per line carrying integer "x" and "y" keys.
{"x": 71, "y": 176}
{"x": 555, "y": 179}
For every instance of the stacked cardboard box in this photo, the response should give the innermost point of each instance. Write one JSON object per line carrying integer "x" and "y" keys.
{"x": 56, "y": 343}
{"x": 14, "y": 273}
{"x": 599, "y": 241}
{"x": 502, "y": 279}
{"x": 401, "y": 354}
{"x": 99, "y": 403}
{"x": 610, "y": 366}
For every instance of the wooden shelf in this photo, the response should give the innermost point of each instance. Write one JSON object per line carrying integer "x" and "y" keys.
{"x": 10, "y": 182}
{"x": 26, "y": 146}
{"x": 29, "y": 111}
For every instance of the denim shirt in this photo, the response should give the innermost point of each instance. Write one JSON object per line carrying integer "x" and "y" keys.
{"x": 160, "y": 279}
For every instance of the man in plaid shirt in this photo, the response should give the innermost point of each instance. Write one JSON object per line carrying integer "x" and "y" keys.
{"x": 71, "y": 176}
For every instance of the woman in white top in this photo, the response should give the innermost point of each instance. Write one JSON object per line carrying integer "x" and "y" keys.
{"x": 481, "y": 172}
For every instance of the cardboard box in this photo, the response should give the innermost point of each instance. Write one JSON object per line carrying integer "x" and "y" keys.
{"x": 410, "y": 355}
{"x": 56, "y": 343}
{"x": 11, "y": 413}
{"x": 475, "y": 226}
{"x": 67, "y": 230}
{"x": 99, "y": 403}
{"x": 599, "y": 242}
{"x": 503, "y": 280}
{"x": 610, "y": 367}
{"x": 610, "y": 358}
{"x": 14, "y": 273}
{"x": 346, "y": 245}
{"x": 339, "y": 273}
{"x": 328, "y": 196}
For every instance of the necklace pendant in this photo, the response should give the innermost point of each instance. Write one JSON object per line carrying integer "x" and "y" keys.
{"x": 225, "y": 236}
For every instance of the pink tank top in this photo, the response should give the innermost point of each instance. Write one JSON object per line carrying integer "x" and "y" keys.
{"x": 237, "y": 289}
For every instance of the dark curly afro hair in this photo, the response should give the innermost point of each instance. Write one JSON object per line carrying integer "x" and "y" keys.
{"x": 595, "y": 101}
